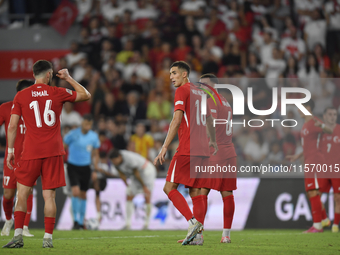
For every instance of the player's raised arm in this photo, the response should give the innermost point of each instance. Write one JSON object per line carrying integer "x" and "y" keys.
{"x": 82, "y": 93}
{"x": 173, "y": 128}
{"x": 11, "y": 134}
{"x": 323, "y": 126}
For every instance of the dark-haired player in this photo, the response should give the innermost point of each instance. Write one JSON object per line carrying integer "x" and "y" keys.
{"x": 311, "y": 133}
{"x": 40, "y": 106}
{"x": 330, "y": 148}
{"x": 226, "y": 156}
{"x": 9, "y": 181}
{"x": 142, "y": 176}
{"x": 193, "y": 148}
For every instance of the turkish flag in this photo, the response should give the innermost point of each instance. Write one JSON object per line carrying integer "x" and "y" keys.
{"x": 63, "y": 17}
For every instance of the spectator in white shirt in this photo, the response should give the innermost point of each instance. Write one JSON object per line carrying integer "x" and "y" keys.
{"x": 74, "y": 57}
{"x": 142, "y": 70}
{"x": 294, "y": 46}
{"x": 69, "y": 117}
{"x": 192, "y": 7}
{"x": 274, "y": 68}
{"x": 332, "y": 13}
{"x": 266, "y": 50}
{"x": 315, "y": 31}
{"x": 111, "y": 9}
{"x": 309, "y": 76}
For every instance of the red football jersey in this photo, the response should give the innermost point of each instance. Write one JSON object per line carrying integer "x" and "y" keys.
{"x": 224, "y": 132}
{"x": 330, "y": 147}
{"x": 310, "y": 140}
{"x": 5, "y": 116}
{"x": 192, "y": 133}
{"x": 40, "y": 106}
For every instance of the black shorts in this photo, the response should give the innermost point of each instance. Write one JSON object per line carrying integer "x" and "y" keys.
{"x": 102, "y": 184}
{"x": 79, "y": 176}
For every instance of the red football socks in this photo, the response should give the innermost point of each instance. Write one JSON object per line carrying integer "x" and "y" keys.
{"x": 316, "y": 208}
{"x": 8, "y": 207}
{"x": 29, "y": 210}
{"x": 49, "y": 225}
{"x": 323, "y": 213}
{"x": 336, "y": 218}
{"x": 198, "y": 208}
{"x": 180, "y": 203}
{"x": 19, "y": 218}
{"x": 228, "y": 211}
{"x": 205, "y": 204}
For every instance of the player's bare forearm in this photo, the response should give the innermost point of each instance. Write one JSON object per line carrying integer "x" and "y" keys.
{"x": 138, "y": 177}
{"x": 12, "y": 130}
{"x": 82, "y": 93}
{"x": 123, "y": 177}
{"x": 95, "y": 156}
{"x": 173, "y": 128}
{"x": 211, "y": 129}
{"x": 327, "y": 130}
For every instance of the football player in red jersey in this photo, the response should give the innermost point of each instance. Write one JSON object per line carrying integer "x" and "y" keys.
{"x": 226, "y": 156}
{"x": 330, "y": 148}
{"x": 311, "y": 133}
{"x": 193, "y": 148}
{"x": 40, "y": 106}
{"x": 9, "y": 181}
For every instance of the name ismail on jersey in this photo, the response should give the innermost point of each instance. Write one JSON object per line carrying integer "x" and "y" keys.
{"x": 39, "y": 93}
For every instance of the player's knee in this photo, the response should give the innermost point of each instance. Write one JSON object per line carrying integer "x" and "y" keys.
{"x": 9, "y": 193}
{"x": 312, "y": 193}
{"x": 193, "y": 192}
{"x": 337, "y": 198}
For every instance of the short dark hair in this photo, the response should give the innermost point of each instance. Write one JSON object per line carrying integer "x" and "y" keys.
{"x": 330, "y": 108}
{"x": 41, "y": 66}
{"x": 181, "y": 65}
{"x": 102, "y": 132}
{"x": 88, "y": 117}
{"x": 310, "y": 103}
{"x": 102, "y": 154}
{"x": 114, "y": 154}
{"x": 22, "y": 84}
{"x": 211, "y": 77}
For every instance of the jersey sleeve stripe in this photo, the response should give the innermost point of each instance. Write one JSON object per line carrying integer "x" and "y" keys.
{"x": 186, "y": 119}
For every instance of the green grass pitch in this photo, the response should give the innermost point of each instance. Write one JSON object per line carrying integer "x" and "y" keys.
{"x": 165, "y": 242}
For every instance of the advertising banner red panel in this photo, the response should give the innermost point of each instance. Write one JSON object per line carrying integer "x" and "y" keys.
{"x": 18, "y": 64}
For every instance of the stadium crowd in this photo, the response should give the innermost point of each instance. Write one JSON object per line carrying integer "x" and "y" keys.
{"x": 126, "y": 47}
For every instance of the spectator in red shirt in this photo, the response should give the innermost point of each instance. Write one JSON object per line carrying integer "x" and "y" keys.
{"x": 216, "y": 28}
{"x": 105, "y": 143}
{"x": 181, "y": 51}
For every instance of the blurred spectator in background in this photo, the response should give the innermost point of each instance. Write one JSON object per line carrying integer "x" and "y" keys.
{"x": 274, "y": 68}
{"x": 159, "y": 108}
{"x": 115, "y": 132}
{"x": 315, "y": 31}
{"x": 124, "y": 55}
{"x": 74, "y": 57}
{"x": 136, "y": 66}
{"x": 182, "y": 49}
{"x": 69, "y": 117}
{"x": 191, "y": 7}
{"x": 256, "y": 149}
{"x": 294, "y": 46}
{"x": 322, "y": 58}
{"x": 105, "y": 143}
{"x": 142, "y": 142}
{"x": 110, "y": 9}
{"x": 275, "y": 155}
{"x": 215, "y": 28}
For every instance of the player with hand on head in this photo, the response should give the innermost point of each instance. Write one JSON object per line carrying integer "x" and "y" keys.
{"x": 9, "y": 180}
{"x": 40, "y": 106}
{"x": 142, "y": 176}
{"x": 330, "y": 148}
{"x": 226, "y": 156}
{"x": 83, "y": 144}
{"x": 193, "y": 148}
{"x": 311, "y": 133}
